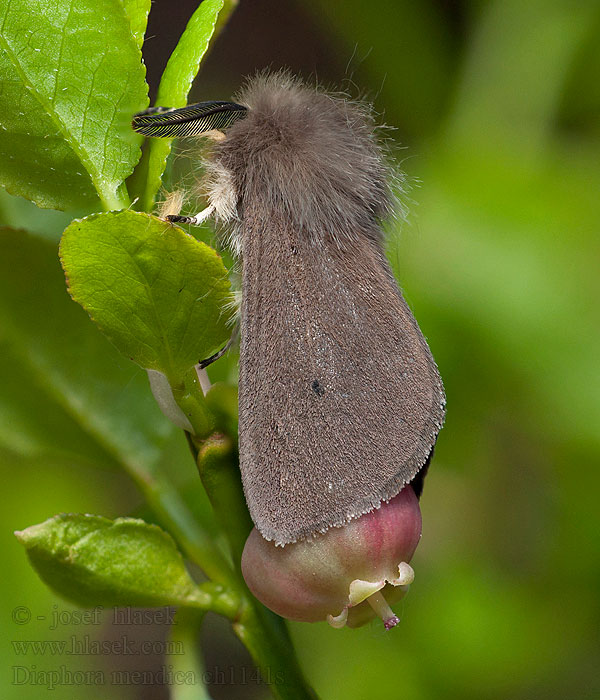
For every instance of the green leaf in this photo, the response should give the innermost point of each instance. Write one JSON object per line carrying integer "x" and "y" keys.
{"x": 33, "y": 423}
{"x": 155, "y": 291}
{"x": 19, "y": 213}
{"x": 137, "y": 11}
{"x": 71, "y": 76}
{"x": 174, "y": 87}
{"x": 103, "y": 392}
{"x": 74, "y": 365}
{"x": 95, "y": 561}
{"x": 185, "y": 60}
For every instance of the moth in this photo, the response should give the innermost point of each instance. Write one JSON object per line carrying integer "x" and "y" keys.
{"x": 340, "y": 399}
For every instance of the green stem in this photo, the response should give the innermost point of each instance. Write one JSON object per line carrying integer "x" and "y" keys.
{"x": 173, "y": 513}
{"x": 190, "y": 399}
{"x": 184, "y": 657}
{"x": 117, "y": 201}
{"x": 168, "y": 505}
{"x": 218, "y": 467}
{"x": 212, "y": 597}
{"x": 175, "y": 84}
{"x": 266, "y": 637}
{"x": 263, "y": 633}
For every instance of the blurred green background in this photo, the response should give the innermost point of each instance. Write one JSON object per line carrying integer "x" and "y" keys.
{"x": 497, "y": 108}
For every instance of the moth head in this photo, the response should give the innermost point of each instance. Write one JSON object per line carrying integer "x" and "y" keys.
{"x": 207, "y": 119}
{"x": 287, "y": 148}
{"x": 311, "y": 157}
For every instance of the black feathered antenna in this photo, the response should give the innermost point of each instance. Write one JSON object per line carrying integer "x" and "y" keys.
{"x": 192, "y": 120}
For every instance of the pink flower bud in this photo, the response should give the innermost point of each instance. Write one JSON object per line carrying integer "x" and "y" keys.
{"x": 345, "y": 575}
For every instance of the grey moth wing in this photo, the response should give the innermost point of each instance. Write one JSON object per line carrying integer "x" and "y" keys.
{"x": 340, "y": 398}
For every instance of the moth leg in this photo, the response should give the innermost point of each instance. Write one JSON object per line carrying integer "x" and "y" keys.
{"x": 195, "y": 220}
{"x": 213, "y": 358}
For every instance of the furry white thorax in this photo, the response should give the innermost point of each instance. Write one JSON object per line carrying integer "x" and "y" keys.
{"x": 221, "y": 194}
